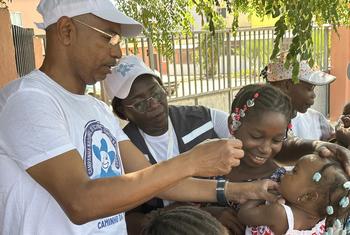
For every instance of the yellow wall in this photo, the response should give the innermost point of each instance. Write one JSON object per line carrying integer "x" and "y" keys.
{"x": 259, "y": 22}
{"x": 27, "y": 8}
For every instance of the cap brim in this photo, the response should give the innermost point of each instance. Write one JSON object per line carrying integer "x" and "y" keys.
{"x": 114, "y": 90}
{"x": 319, "y": 78}
{"x": 129, "y": 26}
{"x": 107, "y": 11}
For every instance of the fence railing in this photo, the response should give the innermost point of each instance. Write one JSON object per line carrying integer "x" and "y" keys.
{"x": 202, "y": 63}
{"x": 24, "y": 49}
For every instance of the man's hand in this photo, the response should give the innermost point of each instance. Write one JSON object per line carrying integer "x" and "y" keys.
{"x": 214, "y": 157}
{"x": 261, "y": 189}
{"x": 335, "y": 151}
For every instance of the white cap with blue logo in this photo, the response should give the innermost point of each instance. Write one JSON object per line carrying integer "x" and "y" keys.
{"x": 118, "y": 83}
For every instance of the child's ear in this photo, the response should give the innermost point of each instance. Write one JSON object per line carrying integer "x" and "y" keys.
{"x": 308, "y": 197}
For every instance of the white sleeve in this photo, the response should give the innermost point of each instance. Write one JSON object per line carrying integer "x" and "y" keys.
{"x": 327, "y": 129}
{"x": 219, "y": 119}
{"x": 33, "y": 128}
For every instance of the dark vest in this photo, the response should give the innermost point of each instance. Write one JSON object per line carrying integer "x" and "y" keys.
{"x": 185, "y": 119}
{"x": 191, "y": 125}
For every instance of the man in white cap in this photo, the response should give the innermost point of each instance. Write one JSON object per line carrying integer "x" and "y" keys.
{"x": 65, "y": 164}
{"x": 307, "y": 123}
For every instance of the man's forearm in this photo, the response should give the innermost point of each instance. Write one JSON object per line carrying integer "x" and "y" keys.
{"x": 84, "y": 200}
{"x": 191, "y": 190}
{"x": 130, "y": 190}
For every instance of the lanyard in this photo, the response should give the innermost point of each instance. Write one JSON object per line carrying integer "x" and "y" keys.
{"x": 170, "y": 142}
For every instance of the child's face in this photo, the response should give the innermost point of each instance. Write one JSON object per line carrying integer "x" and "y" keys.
{"x": 262, "y": 137}
{"x": 298, "y": 181}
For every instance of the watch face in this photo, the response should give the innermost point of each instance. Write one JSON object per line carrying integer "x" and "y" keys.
{"x": 348, "y": 71}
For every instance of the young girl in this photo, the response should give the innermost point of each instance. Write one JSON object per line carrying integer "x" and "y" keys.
{"x": 260, "y": 118}
{"x": 315, "y": 189}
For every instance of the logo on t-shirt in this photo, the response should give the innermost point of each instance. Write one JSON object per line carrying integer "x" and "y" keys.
{"x": 101, "y": 152}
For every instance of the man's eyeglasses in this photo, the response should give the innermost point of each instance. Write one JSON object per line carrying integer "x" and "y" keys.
{"x": 142, "y": 106}
{"x": 114, "y": 39}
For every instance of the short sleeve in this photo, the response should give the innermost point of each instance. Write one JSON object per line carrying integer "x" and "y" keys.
{"x": 33, "y": 128}
{"x": 219, "y": 119}
{"x": 327, "y": 129}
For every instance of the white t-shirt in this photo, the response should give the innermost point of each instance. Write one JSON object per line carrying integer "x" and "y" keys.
{"x": 40, "y": 120}
{"x": 312, "y": 125}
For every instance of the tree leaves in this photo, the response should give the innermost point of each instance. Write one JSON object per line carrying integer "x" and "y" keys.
{"x": 163, "y": 17}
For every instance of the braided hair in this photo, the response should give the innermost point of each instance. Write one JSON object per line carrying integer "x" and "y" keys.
{"x": 183, "y": 220}
{"x": 269, "y": 99}
{"x": 334, "y": 186}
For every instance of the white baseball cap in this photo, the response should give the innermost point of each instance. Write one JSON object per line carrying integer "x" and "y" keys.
{"x": 118, "y": 83}
{"x": 53, "y": 10}
{"x": 277, "y": 72}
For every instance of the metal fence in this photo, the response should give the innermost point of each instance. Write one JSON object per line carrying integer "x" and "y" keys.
{"x": 202, "y": 63}
{"x": 24, "y": 49}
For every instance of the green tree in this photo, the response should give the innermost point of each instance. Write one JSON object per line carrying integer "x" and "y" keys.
{"x": 3, "y": 4}
{"x": 162, "y": 17}
{"x": 211, "y": 46}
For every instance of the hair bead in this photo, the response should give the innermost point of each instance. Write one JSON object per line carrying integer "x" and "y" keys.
{"x": 330, "y": 210}
{"x": 344, "y": 202}
{"x": 317, "y": 177}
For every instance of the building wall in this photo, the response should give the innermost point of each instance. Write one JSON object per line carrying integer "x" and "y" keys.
{"x": 7, "y": 51}
{"x": 340, "y": 58}
{"x": 27, "y": 8}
